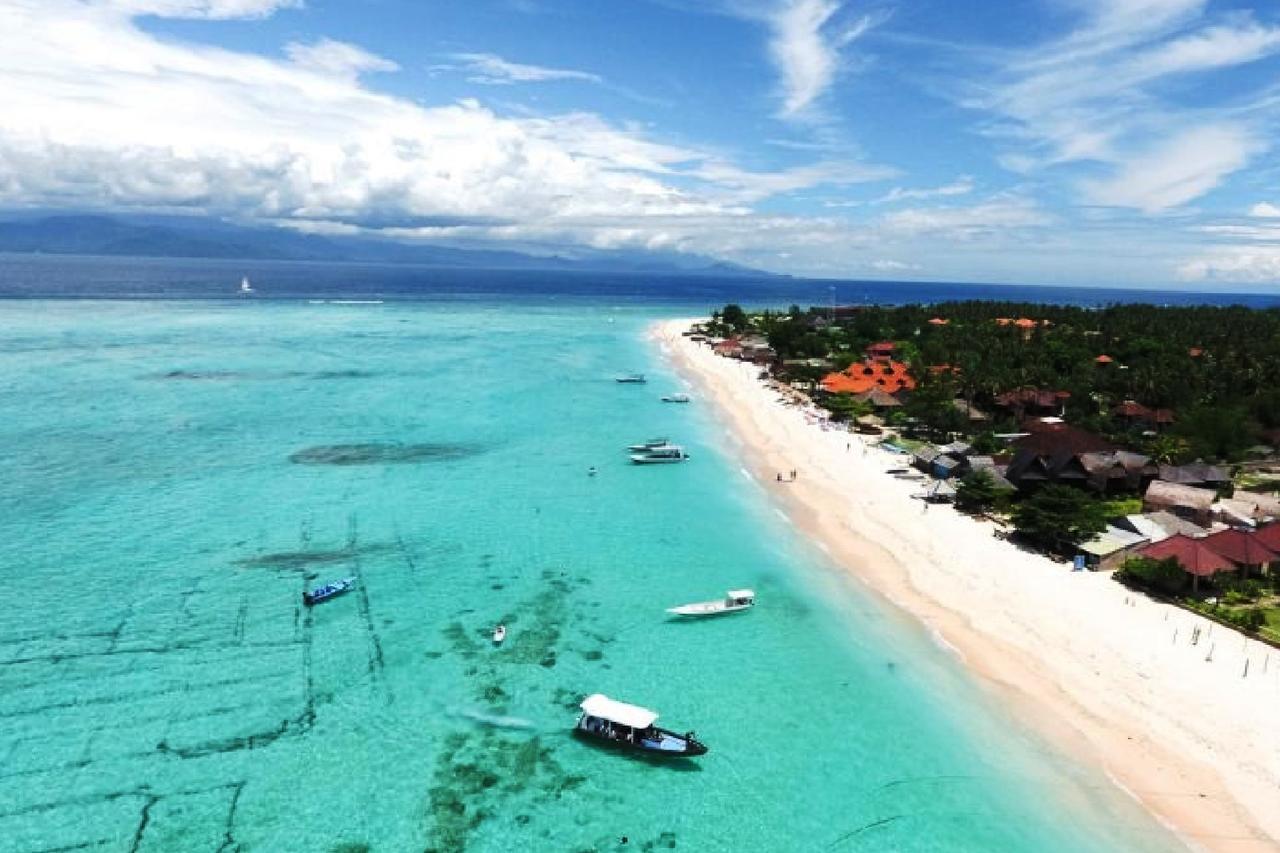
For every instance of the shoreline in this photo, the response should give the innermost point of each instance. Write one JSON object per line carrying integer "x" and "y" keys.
{"x": 1107, "y": 675}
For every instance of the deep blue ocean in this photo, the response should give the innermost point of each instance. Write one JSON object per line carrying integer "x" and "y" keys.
{"x": 66, "y": 277}
{"x": 180, "y": 467}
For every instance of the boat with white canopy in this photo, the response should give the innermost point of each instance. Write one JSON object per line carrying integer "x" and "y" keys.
{"x": 734, "y": 601}
{"x": 650, "y": 444}
{"x": 665, "y": 454}
{"x": 632, "y": 727}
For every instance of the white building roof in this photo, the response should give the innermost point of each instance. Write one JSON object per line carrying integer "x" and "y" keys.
{"x": 599, "y": 705}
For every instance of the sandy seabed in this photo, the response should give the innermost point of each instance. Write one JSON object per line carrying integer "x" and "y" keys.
{"x": 1109, "y": 676}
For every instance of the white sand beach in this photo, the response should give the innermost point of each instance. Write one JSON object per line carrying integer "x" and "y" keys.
{"x": 1111, "y": 677}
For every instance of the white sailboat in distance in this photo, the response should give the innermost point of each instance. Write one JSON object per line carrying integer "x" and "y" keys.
{"x": 246, "y": 289}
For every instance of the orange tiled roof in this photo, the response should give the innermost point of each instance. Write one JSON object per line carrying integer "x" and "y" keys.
{"x": 1195, "y": 352}
{"x": 1003, "y": 321}
{"x": 1104, "y": 359}
{"x": 938, "y": 321}
{"x": 1025, "y": 323}
{"x": 861, "y": 377}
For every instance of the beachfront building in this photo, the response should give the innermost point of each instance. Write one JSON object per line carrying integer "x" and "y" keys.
{"x": 1196, "y": 559}
{"x": 1189, "y": 502}
{"x": 1028, "y": 402}
{"x": 1242, "y": 548}
{"x": 1052, "y": 452}
{"x": 1160, "y": 525}
{"x": 1118, "y": 470}
{"x": 891, "y": 377}
{"x": 1109, "y": 549}
{"x": 1196, "y": 474}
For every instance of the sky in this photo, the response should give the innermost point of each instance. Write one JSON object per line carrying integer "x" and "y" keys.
{"x": 1094, "y": 142}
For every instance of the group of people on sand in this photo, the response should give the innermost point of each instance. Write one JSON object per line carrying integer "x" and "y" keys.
{"x": 790, "y": 479}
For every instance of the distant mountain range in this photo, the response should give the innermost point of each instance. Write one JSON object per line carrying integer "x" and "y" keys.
{"x": 197, "y": 237}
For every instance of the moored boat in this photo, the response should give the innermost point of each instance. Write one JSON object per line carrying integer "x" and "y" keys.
{"x": 651, "y": 444}
{"x": 631, "y": 379}
{"x": 734, "y": 601}
{"x": 329, "y": 590}
{"x": 632, "y": 727}
{"x": 499, "y": 634}
{"x": 666, "y": 454}
{"x": 676, "y": 398}
{"x": 246, "y": 289}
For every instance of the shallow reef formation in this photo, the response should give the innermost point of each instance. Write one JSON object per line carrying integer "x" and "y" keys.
{"x": 381, "y": 453}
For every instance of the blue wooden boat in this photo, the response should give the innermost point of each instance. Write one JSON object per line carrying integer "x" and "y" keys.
{"x": 329, "y": 590}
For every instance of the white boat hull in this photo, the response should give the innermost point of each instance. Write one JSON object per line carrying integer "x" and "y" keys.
{"x": 707, "y": 608}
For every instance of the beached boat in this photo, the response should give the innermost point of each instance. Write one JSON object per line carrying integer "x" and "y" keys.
{"x": 734, "y": 601}
{"x": 676, "y": 398}
{"x": 632, "y": 727}
{"x": 651, "y": 444}
{"x": 499, "y": 634}
{"x": 329, "y": 590}
{"x": 631, "y": 379}
{"x": 665, "y": 455}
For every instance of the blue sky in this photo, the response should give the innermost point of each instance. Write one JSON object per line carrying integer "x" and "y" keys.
{"x": 1106, "y": 142}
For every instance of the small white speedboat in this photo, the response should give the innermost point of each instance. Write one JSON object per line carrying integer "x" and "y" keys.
{"x": 651, "y": 444}
{"x": 676, "y": 398}
{"x": 631, "y": 379}
{"x": 664, "y": 455}
{"x": 499, "y": 634}
{"x": 735, "y": 600}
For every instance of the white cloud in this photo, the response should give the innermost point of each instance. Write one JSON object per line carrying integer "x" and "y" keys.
{"x": 336, "y": 57}
{"x": 805, "y": 46}
{"x": 889, "y": 265}
{"x": 992, "y": 217}
{"x": 1245, "y": 265}
{"x": 806, "y": 41}
{"x": 1178, "y": 170}
{"x": 209, "y": 9}
{"x": 1265, "y": 210}
{"x": 100, "y": 113}
{"x": 492, "y": 70}
{"x": 960, "y": 186}
{"x": 1095, "y": 96}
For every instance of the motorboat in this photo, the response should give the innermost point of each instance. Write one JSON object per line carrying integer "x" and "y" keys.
{"x": 631, "y": 379}
{"x": 734, "y": 601}
{"x": 329, "y": 590}
{"x": 666, "y": 454}
{"x": 676, "y": 398}
{"x": 632, "y": 727}
{"x": 651, "y": 444}
{"x": 499, "y": 634}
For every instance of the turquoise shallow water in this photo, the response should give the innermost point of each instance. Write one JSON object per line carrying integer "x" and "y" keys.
{"x": 161, "y": 688}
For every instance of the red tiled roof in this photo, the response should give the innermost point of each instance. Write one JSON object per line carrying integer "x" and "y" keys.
{"x": 1241, "y": 548}
{"x": 860, "y": 377}
{"x": 1130, "y": 409}
{"x": 1057, "y": 438}
{"x": 882, "y": 346}
{"x": 1195, "y": 352}
{"x": 1194, "y": 557}
{"x": 1104, "y": 359}
{"x": 1031, "y": 397}
{"x": 1269, "y": 535}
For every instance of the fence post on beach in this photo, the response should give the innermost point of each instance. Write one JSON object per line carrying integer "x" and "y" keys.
{"x": 1209, "y": 657}
{"x": 1245, "y": 674}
